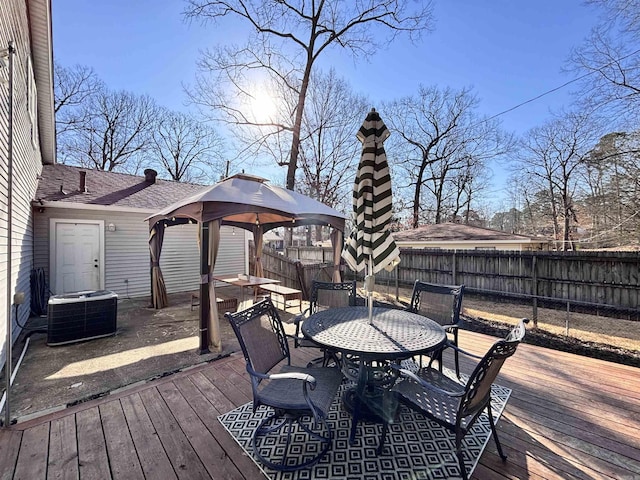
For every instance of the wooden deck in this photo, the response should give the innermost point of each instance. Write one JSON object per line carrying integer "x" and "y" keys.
{"x": 568, "y": 417}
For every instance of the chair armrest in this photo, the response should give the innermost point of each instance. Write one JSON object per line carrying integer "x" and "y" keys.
{"x": 449, "y": 344}
{"x": 305, "y": 377}
{"x": 301, "y": 317}
{"x": 450, "y": 326}
{"x": 428, "y": 385}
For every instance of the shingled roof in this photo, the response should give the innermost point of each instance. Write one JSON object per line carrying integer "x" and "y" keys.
{"x": 62, "y": 183}
{"x": 455, "y": 232}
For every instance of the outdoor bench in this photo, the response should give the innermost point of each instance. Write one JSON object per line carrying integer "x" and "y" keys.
{"x": 286, "y": 293}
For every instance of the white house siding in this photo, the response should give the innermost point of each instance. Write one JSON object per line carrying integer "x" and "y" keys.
{"x": 127, "y": 251}
{"x": 180, "y": 267}
{"x": 26, "y": 167}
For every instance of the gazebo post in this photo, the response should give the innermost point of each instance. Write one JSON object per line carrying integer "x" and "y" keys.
{"x": 204, "y": 287}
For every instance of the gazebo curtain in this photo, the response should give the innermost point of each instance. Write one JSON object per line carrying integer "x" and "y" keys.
{"x": 214, "y": 323}
{"x": 336, "y": 244}
{"x": 257, "y": 239}
{"x": 158, "y": 288}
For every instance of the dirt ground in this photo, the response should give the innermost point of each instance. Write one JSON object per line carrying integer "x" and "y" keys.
{"x": 612, "y": 339}
{"x": 152, "y": 343}
{"x": 148, "y": 344}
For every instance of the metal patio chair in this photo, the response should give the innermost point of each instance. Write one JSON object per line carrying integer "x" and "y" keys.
{"x": 300, "y": 397}
{"x": 441, "y": 303}
{"x": 453, "y": 405}
{"x": 324, "y": 295}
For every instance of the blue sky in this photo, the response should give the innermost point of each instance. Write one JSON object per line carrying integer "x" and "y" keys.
{"x": 509, "y": 51}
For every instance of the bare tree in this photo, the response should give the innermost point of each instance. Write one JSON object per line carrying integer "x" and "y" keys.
{"x": 553, "y": 156}
{"x": 73, "y": 87}
{"x": 609, "y": 61}
{"x": 285, "y": 43}
{"x": 329, "y": 149}
{"x": 612, "y": 183}
{"x": 447, "y": 143}
{"x": 467, "y": 186}
{"x": 116, "y": 130}
{"x": 187, "y": 149}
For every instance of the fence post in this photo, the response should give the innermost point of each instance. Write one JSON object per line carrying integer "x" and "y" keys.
{"x": 453, "y": 269}
{"x": 534, "y": 289}
{"x": 397, "y": 276}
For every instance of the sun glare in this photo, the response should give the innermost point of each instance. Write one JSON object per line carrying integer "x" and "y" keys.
{"x": 263, "y": 107}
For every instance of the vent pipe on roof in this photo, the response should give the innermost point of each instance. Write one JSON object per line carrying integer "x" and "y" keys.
{"x": 83, "y": 181}
{"x": 150, "y": 175}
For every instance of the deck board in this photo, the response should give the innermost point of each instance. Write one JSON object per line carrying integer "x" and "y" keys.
{"x": 184, "y": 460}
{"x": 93, "y": 460}
{"x": 32, "y": 459}
{"x": 153, "y": 458}
{"x": 212, "y": 455}
{"x": 9, "y": 449}
{"x": 569, "y": 417}
{"x": 197, "y": 394}
{"x": 63, "y": 449}
{"x": 123, "y": 459}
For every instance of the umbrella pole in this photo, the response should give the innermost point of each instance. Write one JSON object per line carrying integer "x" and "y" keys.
{"x": 369, "y": 283}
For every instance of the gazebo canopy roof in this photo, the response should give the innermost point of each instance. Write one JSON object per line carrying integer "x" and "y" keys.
{"x": 245, "y": 201}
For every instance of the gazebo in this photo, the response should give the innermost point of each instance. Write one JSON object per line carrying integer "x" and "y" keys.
{"x": 243, "y": 201}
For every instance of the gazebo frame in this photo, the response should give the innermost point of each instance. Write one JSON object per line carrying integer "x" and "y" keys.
{"x": 242, "y": 201}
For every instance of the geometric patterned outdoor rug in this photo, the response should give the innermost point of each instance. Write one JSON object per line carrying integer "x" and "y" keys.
{"x": 415, "y": 448}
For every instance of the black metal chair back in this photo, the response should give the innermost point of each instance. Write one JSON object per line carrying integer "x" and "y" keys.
{"x": 262, "y": 338}
{"x": 478, "y": 387}
{"x": 325, "y": 295}
{"x": 442, "y": 304}
{"x": 331, "y": 295}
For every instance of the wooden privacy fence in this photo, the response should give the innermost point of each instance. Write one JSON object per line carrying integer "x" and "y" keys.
{"x": 604, "y": 281}
{"x": 292, "y": 273}
{"x": 310, "y": 254}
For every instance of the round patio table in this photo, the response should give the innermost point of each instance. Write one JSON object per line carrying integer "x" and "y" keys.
{"x": 392, "y": 335}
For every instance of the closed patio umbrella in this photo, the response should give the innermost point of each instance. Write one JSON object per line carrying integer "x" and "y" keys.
{"x": 370, "y": 246}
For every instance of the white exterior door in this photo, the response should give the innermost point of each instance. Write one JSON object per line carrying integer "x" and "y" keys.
{"x": 78, "y": 256}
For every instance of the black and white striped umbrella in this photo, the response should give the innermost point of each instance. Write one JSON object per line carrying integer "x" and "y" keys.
{"x": 370, "y": 245}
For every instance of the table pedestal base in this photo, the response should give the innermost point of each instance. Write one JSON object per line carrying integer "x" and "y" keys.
{"x": 374, "y": 405}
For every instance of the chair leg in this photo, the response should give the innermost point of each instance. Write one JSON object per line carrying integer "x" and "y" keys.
{"x": 325, "y": 360}
{"x": 463, "y": 470}
{"x": 437, "y": 356}
{"x": 457, "y": 362}
{"x": 495, "y": 434}
{"x": 276, "y": 422}
{"x": 383, "y": 436}
{"x": 455, "y": 353}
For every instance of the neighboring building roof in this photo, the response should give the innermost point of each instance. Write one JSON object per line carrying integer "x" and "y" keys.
{"x": 42, "y": 61}
{"x": 456, "y": 232}
{"x": 271, "y": 236}
{"x": 59, "y": 186}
